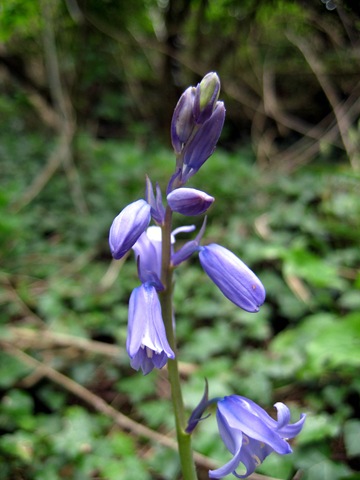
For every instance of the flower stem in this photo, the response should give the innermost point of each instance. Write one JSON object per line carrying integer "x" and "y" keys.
{"x": 183, "y": 438}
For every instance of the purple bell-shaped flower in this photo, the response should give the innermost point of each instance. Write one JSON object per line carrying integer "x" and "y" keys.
{"x": 127, "y": 227}
{"x": 146, "y": 343}
{"x": 250, "y": 434}
{"x": 236, "y": 281}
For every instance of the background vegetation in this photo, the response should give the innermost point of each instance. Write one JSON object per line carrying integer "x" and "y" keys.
{"x": 88, "y": 89}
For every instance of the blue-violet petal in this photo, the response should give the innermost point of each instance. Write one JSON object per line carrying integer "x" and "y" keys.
{"x": 127, "y": 227}
{"x": 236, "y": 281}
{"x": 189, "y": 201}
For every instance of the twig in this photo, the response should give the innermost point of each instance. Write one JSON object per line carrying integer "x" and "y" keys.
{"x": 62, "y": 104}
{"x": 243, "y": 96}
{"x": 12, "y": 294}
{"x": 303, "y": 150}
{"x": 45, "y": 339}
{"x": 54, "y": 161}
{"x": 74, "y": 11}
{"x": 60, "y": 117}
{"x": 342, "y": 118}
{"x": 111, "y": 273}
{"x": 88, "y": 397}
{"x": 101, "y": 406}
{"x": 28, "y": 338}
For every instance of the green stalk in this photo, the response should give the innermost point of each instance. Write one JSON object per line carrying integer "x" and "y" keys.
{"x": 183, "y": 438}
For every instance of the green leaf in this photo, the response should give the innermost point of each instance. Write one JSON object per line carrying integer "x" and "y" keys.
{"x": 317, "y": 271}
{"x": 352, "y": 437}
{"x": 11, "y": 370}
{"x": 318, "y": 427}
{"x": 78, "y": 433}
{"x": 17, "y": 408}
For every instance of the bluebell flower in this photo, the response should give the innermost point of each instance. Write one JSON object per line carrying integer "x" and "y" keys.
{"x": 250, "y": 434}
{"x": 146, "y": 343}
{"x": 127, "y": 227}
{"x": 183, "y": 122}
{"x": 236, "y": 281}
{"x": 148, "y": 254}
{"x": 189, "y": 201}
{"x": 202, "y": 144}
{"x": 148, "y": 251}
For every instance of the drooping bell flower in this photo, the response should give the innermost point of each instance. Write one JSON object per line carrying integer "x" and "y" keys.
{"x": 127, "y": 227}
{"x": 250, "y": 434}
{"x": 189, "y": 201}
{"x": 235, "y": 279}
{"x": 148, "y": 251}
{"x": 146, "y": 343}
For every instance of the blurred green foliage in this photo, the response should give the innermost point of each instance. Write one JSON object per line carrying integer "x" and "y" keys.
{"x": 296, "y": 223}
{"x": 303, "y": 347}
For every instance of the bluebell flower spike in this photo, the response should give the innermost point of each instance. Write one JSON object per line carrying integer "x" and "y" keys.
{"x": 250, "y": 434}
{"x": 146, "y": 343}
{"x": 128, "y": 226}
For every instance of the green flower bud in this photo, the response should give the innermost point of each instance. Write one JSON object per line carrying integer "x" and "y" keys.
{"x": 207, "y": 94}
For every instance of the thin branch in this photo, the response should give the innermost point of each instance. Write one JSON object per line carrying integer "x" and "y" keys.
{"x": 98, "y": 404}
{"x": 342, "y": 118}
{"x": 62, "y": 104}
{"x": 29, "y": 338}
{"x": 88, "y": 397}
{"x": 302, "y": 151}
{"x": 239, "y": 93}
{"x": 74, "y": 11}
{"x": 10, "y": 293}
{"x": 111, "y": 274}
{"x": 54, "y": 161}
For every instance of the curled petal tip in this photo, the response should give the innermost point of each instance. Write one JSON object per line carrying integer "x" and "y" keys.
{"x": 250, "y": 434}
